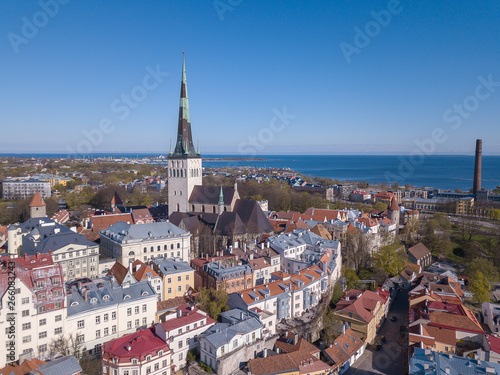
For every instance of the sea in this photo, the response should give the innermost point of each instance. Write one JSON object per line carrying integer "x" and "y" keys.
{"x": 436, "y": 171}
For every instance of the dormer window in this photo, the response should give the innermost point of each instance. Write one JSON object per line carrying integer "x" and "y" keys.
{"x": 105, "y": 297}
{"x": 126, "y": 297}
{"x": 74, "y": 303}
{"x": 145, "y": 293}
{"x": 93, "y": 301}
{"x": 160, "y": 353}
{"x": 148, "y": 358}
{"x": 134, "y": 361}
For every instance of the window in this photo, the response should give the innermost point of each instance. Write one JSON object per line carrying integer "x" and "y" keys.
{"x": 113, "y": 329}
{"x": 113, "y": 315}
{"x": 129, "y": 311}
{"x": 187, "y": 277}
{"x": 164, "y": 363}
{"x": 169, "y": 290}
{"x": 58, "y": 305}
{"x": 41, "y": 309}
{"x": 26, "y": 339}
{"x": 25, "y": 300}
{"x": 27, "y": 313}
{"x": 42, "y": 335}
{"x": 80, "y": 339}
{"x": 169, "y": 280}
{"x": 98, "y": 319}
{"x": 179, "y": 288}
{"x": 106, "y": 317}
{"x": 129, "y": 324}
{"x": 137, "y": 309}
{"x": 40, "y": 284}
{"x": 195, "y": 325}
{"x": 57, "y": 293}
{"x": 144, "y": 321}
{"x": 157, "y": 366}
{"x": 180, "y": 344}
{"x": 222, "y": 350}
{"x": 148, "y": 370}
{"x": 144, "y": 308}
{"x": 137, "y": 322}
{"x": 235, "y": 343}
{"x": 98, "y": 334}
{"x": 42, "y": 348}
{"x": 178, "y": 245}
{"x": 80, "y": 324}
{"x": 134, "y": 361}
{"x": 179, "y": 278}
{"x": 26, "y": 326}
{"x": 58, "y": 331}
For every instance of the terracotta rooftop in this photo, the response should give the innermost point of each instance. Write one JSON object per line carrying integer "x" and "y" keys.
{"x": 419, "y": 251}
{"x": 37, "y": 200}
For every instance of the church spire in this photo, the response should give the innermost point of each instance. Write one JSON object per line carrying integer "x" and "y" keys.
{"x": 184, "y": 146}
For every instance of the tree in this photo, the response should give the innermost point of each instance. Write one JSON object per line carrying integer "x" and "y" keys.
{"x": 391, "y": 259}
{"x": 380, "y": 206}
{"x": 357, "y": 251}
{"x": 480, "y": 287}
{"x": 351, "y": 278}
{"x": 484, "y": 266}
{"x": 332, "y": 326}
{"x": 62, "y": 346}
{"x": 467, "y": 227}
{"x": 213, "y": 302}
{"x": 337, "y": 294}
{"x": 495, "y": 214}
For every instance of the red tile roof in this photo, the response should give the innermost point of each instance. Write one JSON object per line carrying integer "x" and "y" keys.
{"x": 102, "y": 222}
{"x": 135, "y": 345}
{"x": 37, "y": 200}
{"x": 189, "y": 315}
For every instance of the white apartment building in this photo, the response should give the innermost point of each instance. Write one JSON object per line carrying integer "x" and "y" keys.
{"x": 180, "y": 330}
{"x": 287, "y": 298}
{"x": 100, "y": 310}
{"x": 128, "y": 242}
{"x": 32, "y": 307}
{"x": 78, "y": 256}
{"x": 238, "y": 328}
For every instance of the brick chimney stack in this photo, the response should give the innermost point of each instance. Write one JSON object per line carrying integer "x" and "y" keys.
{"x": 478, "y": 166}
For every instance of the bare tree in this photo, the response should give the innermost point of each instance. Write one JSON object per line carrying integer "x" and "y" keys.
{"x": 62, "y": 346}
{"x": 357, "y": 251}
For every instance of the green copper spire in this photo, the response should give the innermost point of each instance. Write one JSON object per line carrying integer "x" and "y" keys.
{"x": 184, "y": 145}
{"x": 221, "y": 197}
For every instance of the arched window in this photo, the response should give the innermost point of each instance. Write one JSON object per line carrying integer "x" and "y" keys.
{"x": 158, "y": 248}
{"x": 192, "y": 208}
{"x": 145, "y": 249}
{"x": 131, "y": 253}
{"x": 165, "y": 247}
{"x": 171, "y": 246}
{"x": 152, "y": 249}
{"x": 178, "y": 245}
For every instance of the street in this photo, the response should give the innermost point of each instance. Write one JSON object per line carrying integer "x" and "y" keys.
{"x": 389, "y": 359}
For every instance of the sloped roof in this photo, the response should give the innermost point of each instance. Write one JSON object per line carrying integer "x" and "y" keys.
{"x": 209, "y": 194}
{"x": 321, "y": 231}
{"x": 21, "y": 369}
{"x": 102, "y": 222}
{"x": 37, "y": 201}
{"x": 419, "y": 251}
{"x": 116, "y": 200}
{"x": 394, "y": 204}
{"x": 68, "y": 365}
{"x": 252, "y": 216}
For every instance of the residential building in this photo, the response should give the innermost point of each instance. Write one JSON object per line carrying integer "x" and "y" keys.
{"x": 138, "y": 353}
{"x": 302, "y": 248}
{"x": 234, "y": 278}
{"x": 128, "y": 242}
{"x": 420, "y": 254}
{"x": 434, "y": 338}
{"x": 177, "y": 276}
{"x": 99, "y": 310}
{"x": 345, "y": 351}
{"x": 223, "y": 339}
{"x": 66, "y": 365}
{"x": 362, "y": 311}
{"x": 491, "y": 316}
{"x": 301, "y": 359}
{"x": 36, "y": 295}
{"x": 288, "y": 297}
{"x": 78, "y": 256}
{"x": 180, "y": 329}
{"x": 142, "y": 271}
{"x": 428, "y": 362}
{"x": 24, "y": 189}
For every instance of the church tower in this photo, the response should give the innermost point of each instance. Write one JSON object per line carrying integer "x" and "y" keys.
{"x": 38, "y": 208}
{"x": 184, "y": 163}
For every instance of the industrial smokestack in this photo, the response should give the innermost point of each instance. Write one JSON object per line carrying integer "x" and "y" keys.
{"x": 477, "y": 166}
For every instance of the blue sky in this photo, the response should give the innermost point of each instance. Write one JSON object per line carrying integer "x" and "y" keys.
{"x": 264, "y": 77}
